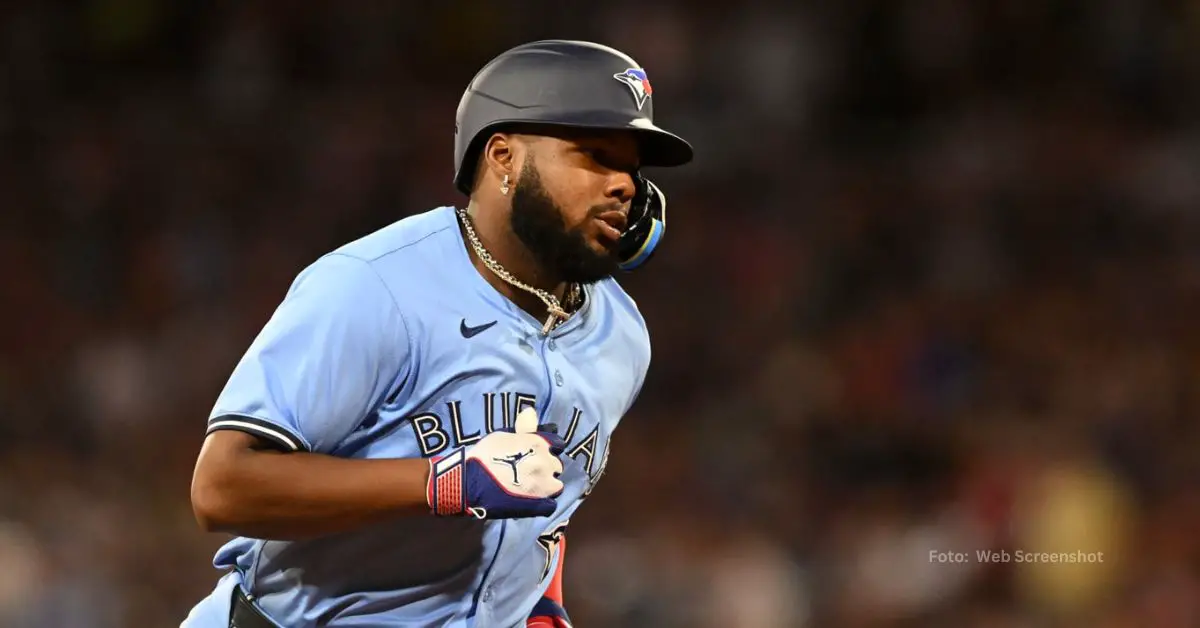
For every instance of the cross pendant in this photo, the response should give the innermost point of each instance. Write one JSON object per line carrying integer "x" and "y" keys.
{"x": 555, "y": 314}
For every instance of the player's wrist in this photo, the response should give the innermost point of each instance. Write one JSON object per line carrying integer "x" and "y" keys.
{"x": 446, "y": 484}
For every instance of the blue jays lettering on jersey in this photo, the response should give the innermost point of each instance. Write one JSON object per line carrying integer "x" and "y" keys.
{"x": 394, "y": 346}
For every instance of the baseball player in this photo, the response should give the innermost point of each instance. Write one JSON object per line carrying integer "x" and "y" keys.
{"x": 407, "y": 438}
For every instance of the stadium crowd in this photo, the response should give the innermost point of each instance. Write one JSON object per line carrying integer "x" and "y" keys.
{"x": 931, "y": 288}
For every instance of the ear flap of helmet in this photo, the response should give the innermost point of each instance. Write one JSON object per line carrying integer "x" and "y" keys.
{"x": 647, "y": 225}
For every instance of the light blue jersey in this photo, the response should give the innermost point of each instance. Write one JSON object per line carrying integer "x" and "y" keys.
{"x": 395, "y": 346}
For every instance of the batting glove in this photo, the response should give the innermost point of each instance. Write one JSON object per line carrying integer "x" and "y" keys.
{"x": 509, "y": 474}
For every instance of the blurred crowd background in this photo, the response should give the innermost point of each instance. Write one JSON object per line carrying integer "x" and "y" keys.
{"x": 932, "y": 284}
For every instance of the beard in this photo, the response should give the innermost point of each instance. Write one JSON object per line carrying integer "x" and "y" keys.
{"x": 538, "y": 222}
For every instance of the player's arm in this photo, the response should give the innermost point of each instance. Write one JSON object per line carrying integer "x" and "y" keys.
{"x": 330, "y": 355}
{"x": 242, "y": 486}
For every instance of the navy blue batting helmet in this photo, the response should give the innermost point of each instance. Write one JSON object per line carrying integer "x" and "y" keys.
{"x": 573, "y": 84}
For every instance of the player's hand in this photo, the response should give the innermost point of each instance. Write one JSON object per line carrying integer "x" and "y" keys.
{"x": 509, "y": 474}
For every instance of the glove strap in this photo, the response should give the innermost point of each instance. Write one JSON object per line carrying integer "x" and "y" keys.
{"x": 445, "y": 492}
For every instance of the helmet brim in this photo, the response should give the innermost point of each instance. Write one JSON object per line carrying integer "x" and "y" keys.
{"x": 663, "y": 149}
{"x": 658, "y": 147}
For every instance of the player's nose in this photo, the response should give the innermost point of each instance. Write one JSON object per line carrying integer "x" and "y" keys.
{"x": 621, "y": 188}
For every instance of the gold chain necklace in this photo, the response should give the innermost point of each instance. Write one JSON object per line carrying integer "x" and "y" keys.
{"x": 556, "y": 312}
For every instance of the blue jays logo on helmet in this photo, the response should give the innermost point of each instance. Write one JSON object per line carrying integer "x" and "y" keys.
{"x": 636, "y": 79}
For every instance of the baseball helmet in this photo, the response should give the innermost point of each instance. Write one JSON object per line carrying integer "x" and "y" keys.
{"x": 575, "y": 84}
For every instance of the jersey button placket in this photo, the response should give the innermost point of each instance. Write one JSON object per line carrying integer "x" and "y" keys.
{"x": 551, "y": 345}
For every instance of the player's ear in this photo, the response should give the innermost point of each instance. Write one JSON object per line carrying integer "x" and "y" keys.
{"x": 500, "y": 155}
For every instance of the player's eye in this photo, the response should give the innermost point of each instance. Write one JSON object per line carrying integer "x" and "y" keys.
{"x": 606, "y": 160}
{"x": 596, "y": 155}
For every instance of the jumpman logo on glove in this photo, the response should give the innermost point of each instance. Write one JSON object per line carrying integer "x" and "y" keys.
{"x": 512, "y": 461}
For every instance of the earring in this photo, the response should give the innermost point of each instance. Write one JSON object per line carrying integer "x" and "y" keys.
{"x": 504, "y": 186}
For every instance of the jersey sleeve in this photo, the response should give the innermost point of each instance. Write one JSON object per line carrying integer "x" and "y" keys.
{"x": 327, "y": 357}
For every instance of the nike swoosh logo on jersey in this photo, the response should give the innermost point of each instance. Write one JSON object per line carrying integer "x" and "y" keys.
{"x": 469, "y": 332}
